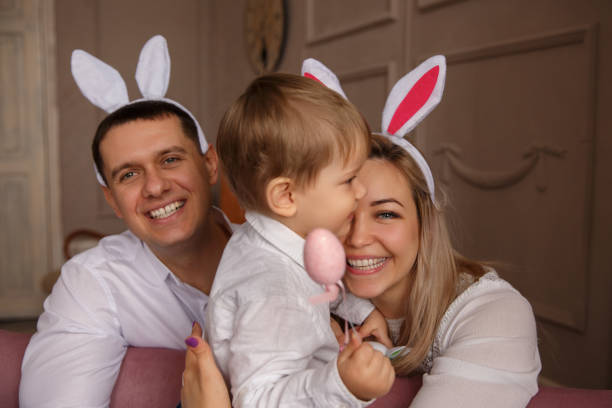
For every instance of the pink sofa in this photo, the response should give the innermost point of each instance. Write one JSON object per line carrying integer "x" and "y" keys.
{"x": 152, "y": 378}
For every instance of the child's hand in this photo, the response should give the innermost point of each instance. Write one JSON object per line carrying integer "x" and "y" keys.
{"x": 367, "y": 373}
{"x": 337, "y": 330}
{"x": 376, "y": 325}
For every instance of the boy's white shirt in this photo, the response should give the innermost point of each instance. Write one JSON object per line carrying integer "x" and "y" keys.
{"x": 271, "y": 344}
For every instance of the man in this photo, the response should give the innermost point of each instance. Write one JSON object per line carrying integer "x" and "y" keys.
{"x": 147, "y": 286}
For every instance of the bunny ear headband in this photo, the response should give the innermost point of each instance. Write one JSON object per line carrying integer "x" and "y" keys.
{"x": 411, "y": 99}
{"x": 104, "y": 87}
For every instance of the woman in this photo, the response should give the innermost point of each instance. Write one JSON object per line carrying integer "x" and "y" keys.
{"x": 470, "y": 332}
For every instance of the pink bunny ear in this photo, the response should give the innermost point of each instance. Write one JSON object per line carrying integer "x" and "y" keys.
{"x": 311, "y": 68}
{"x": 414, "y": 96}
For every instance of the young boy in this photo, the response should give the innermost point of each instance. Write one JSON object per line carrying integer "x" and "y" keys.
{"x": 291, "y": 149}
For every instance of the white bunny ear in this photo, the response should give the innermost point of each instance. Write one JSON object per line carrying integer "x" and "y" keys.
{"x": 98, "y": 81}
{"x": 414, "y": 96}
{"x": 311, "y": 68}
{"x": 153, "y": 70}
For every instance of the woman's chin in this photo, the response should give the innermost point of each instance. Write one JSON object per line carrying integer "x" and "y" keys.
{"x": 362, "y": 288}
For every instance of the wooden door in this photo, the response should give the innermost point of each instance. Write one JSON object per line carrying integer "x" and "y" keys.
{"x": 520, "y": 143}
{"x": 29, "y": 215}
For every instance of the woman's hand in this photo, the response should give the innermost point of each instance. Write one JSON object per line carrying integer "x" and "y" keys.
{"x": 203, "y": 384}
{"x": 375, "y": 326}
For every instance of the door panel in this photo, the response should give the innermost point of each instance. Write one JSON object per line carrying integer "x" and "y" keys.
{"x": 517, "y": 145}
{"x": 29, "y": 219}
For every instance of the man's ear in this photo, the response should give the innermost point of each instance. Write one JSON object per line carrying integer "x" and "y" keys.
{"x": 211, "y": 161}
{"x": 108, "y": 195}
{"x": 280, "y": 196}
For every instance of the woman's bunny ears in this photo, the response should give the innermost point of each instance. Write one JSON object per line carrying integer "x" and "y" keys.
{"x": 104, "y": 87}
{"x": 411, "y": 99}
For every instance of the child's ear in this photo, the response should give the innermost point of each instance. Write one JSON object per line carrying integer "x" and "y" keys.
{"x": 280, "y": 196}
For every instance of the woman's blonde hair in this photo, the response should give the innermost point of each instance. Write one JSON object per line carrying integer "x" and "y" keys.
{"x": 435, "y": 273}
{"x": 290, "y": 126}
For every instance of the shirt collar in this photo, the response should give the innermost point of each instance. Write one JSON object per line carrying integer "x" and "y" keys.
{"x": 161, "y": 272}
{"x": 279, "y": 235}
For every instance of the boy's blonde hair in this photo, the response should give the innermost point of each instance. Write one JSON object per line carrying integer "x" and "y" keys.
{"x": 435, "y": 273}
{"x": 290, "y": 126}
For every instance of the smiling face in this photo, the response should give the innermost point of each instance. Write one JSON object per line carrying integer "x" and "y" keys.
{"x": 330, "y": 200}
{"x": 383, "y": 243}
{"x": 158, "y": 181}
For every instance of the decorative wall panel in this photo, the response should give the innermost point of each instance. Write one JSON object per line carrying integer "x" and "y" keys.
{"x": 15, "y": 259}
{"x": 426, "y": 4}
{"x": 327, "y": 20}
{"x": 9, "y": 7}
{"x": 515, "y": 151}
{"x": 11, "y": 97}
{"x": 368, "y": 88}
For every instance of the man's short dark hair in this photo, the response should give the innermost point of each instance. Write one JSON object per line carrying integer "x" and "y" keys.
{"x": 144, "y": 110}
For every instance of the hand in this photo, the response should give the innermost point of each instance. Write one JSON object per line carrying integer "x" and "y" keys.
{"x": 367, "y": 373}
{"x": 337, "y": 330}
{"x": 375, "y": 325}
{"x": 203, "y": 384}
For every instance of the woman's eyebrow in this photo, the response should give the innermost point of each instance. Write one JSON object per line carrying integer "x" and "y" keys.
{"x": 384, "y": 201}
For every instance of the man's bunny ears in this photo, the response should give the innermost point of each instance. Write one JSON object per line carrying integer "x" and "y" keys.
{"x": 104, "y": 87}
{"x": 411, "y": 99}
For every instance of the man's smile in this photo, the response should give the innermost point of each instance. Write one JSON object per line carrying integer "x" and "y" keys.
{"x": 166, "y": 211}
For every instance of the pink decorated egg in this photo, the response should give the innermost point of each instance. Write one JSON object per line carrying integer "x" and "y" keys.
{"x": 324, "y": 257}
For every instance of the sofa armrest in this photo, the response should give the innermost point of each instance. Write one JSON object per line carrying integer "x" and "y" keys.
{"x": 149, "y": 377}
{"x": 12, "y": 348}
{"x": 558, "y": 397}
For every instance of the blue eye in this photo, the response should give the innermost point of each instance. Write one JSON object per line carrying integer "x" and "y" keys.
{"x": 387, "y": 215}
{"x": 126, "y": 175}
{"x": 171, "y": 160}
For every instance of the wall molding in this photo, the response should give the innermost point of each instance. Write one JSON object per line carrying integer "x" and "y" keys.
{"x": 586, "y": 36}
{"x": 496, "y": 179}
{"x": 11, "y": 8}
{"x": 430, "y": 4}
{"x": 51, "y": 118}
{"x": 13, "y": 143}
{"x": 390, "y": 15}
{"x": 563, "y": 38}
{"x": 388, "y": 69}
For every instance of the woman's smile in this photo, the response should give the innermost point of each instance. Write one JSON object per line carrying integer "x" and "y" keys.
{"x": 365, "y": 265}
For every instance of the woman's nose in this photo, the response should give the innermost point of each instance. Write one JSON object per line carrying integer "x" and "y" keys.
{"x": 358, "y": 236}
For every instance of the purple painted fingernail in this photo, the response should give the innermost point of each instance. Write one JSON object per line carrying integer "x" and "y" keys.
{"x": 193, "y": 324}
{"x": 191, "y": 341}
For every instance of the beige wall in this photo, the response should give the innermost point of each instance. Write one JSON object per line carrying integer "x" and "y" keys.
{"x": 519, "y": 72}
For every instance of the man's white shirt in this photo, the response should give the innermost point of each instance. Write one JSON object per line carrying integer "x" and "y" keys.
{"x": 115, "y": 295}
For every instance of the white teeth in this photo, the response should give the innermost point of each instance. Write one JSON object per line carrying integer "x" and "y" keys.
{"x": 167, "y": 210}
{"x": 365, "y": 264}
